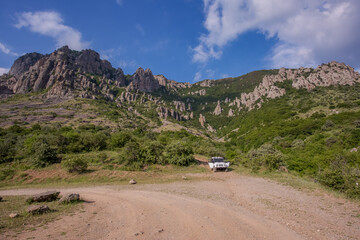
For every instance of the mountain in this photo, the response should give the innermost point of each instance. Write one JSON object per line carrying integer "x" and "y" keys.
{"x": 67, "y": 74}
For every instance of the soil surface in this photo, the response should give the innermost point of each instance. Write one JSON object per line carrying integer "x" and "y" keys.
{"x": 229, "y": 207}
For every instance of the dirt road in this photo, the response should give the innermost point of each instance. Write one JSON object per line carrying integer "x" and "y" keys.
{"x": 230, "y": 207}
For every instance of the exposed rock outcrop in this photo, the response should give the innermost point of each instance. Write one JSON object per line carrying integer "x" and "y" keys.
{"x": 179, "y": 106}
{"x": 64, "y": 72}
{"x": 143, "y": 81}
{"x": 218, "y": 109}
{"x": 171, "y": 84}
{"x": 164, "y": 113}
{"x": 201, "y": 92}
{"x": 202, "y": 120}
{"x": 231, "y": 113}
{"x": 205, "y": 83}
{"x": 325, "y": 75}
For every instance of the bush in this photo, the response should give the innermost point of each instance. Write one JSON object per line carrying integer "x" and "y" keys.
{"x": 265, "y": 156}
{"x": 93, "y": 141}
{"x": 44, "y": 155}
{"x": 151, "y": 153}
{"x": 130, "y": 154}
{"x": 6, "y": 173}
{"x": 119, "y": 139}
{"x": 179, "y": 153}
{"x": 76, "y": 164}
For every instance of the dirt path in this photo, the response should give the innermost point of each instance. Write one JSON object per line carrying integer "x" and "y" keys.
{"x": 231, "y": 207}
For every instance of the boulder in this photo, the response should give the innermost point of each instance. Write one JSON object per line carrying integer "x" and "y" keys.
{"x": 44, "y": 197}
{"x": 71, "y": 197}
{"x": 37, "y": 209}
{"x": 13, "y": 215}
{"x": 283, "y": 169}
{"x": 132, "y": 181}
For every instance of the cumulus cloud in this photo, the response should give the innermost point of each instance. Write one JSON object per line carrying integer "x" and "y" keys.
{"x": 308, "y": 31}
{"x": 7, "y": 51}
{"x": 50, "y": 23}
{"x": 3, "y": 70}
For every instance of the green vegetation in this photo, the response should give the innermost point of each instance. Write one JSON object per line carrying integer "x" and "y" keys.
{"x": 302, "y": 132}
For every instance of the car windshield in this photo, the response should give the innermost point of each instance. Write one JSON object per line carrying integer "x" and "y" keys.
{"x": 219, "y": 159}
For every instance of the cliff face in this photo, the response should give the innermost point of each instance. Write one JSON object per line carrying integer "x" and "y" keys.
{"x": 143, "y": 81}
{"x": 63, "y": 73}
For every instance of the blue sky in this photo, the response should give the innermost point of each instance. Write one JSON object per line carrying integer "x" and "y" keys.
{"x": 187, "y": 40}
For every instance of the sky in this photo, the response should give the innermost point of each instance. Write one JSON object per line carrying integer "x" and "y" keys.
{"x": 186, "y": 40}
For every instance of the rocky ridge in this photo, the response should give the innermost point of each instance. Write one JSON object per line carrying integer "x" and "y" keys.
{"x": 325, "y": 75}
{"x": 70, "y": 74}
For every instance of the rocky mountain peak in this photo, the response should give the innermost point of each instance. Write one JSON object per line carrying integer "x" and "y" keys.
{"x": 23, "y": 63}
{"x": 143, "y": 81}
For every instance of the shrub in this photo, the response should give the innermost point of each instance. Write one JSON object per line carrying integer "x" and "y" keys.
{"x": 44, "y": 155}
{"x": 298, "y": 144}
{"x": 265, "y": 156}
{"x": 151, "y": 153}
{"x": 93, "y": 141}
{"x": 76, "y": 164}
{"x": 179, "y": 153}
{"x": 119, "y": 139}
{"x": 6, "y": 173}
{"x": 130, "y": 154}
{"x": 328, "y": 124}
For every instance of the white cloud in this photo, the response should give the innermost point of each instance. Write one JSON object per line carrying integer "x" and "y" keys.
{"x": 130, "y": 63}
{"x": 120, "y": 2}
{"x": 197, "y": 77}
{"x": 3, "y": 70}
{"x": 51, "y": 24}
{"x": 308, "y": 31}
{"x": 6, "y": 50}
{"x": 203, "y": 74}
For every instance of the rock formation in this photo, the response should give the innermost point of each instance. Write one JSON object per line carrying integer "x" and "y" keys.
{"x": 171, "y": 84}
{"x": 218, "y": 109}
{"x": 164, "y": 113}
{"x": 143, "y": 81}
{"x": 62, "y": 72}
{"x": 325, "y": 75}
{"x": 202, "y": 120}
{"x": 231, "y": 113}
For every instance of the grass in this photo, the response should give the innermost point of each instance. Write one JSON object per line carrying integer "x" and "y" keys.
{"x": 54, "y": 176}
{"x": 28, "y": 222}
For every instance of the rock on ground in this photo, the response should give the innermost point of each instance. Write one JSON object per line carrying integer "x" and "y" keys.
{"x": 132, "y": 181}
{"x": 13, "y": 215}
{"x": 37, "y": 209}
{"x": 71, "y": 197}
{"x": 44, "y": 197}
